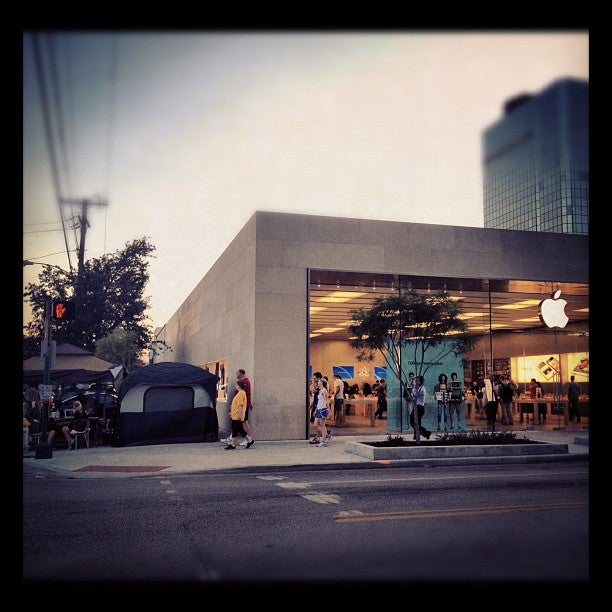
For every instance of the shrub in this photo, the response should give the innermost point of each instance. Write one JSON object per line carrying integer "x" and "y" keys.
{"x": 461, "y": 438}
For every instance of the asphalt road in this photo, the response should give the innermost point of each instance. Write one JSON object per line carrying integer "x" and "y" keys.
{"x": 484, "y": 524}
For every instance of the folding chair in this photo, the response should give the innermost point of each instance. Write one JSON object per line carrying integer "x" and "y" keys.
{"x": 35, "y": 434}
{"x": 80, "y": 429}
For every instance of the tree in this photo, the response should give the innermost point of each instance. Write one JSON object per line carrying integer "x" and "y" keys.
{"x": 108, "y": 293}
{"x": 120, "y": 347}
{"x": 426, "y": 326}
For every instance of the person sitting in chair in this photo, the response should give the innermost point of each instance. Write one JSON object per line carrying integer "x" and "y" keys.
{"x": 79, "y": 413}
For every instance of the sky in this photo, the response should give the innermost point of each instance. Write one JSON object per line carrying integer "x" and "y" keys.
{"x": 183, "y": 136}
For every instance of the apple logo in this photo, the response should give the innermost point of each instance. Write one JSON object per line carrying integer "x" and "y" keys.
{"x": 552, "y": 311}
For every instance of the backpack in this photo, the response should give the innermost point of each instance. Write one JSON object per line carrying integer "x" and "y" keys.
{"x": 507, "y": 392}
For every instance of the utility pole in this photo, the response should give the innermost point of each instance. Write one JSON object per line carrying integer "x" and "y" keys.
{"x": 44, "y": 450}
{"x": 83, "y": 224}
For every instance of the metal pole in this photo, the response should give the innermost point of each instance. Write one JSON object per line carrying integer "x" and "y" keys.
{"x": 44, "y": 450}
{"x": 557, "y": 389}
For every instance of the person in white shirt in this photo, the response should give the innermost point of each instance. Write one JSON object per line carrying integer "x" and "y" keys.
{"x": 339, "y": 401}
{"x": 419, "y": 401}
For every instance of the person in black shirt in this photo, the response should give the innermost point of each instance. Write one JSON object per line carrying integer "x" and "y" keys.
{"x": 79, "y": 413}
{"x": 455, "y": 400}
{"x": 573, "y": 395}
{"x": 381, "y": 394}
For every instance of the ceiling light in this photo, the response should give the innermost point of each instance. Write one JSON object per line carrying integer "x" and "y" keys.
{"x": 468, "y": 315}
{"x": 486, "y": 327}
{"x": 518, "y": 305}
{"x": 339, "y": 296}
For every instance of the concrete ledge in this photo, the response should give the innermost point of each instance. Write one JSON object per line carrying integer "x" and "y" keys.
{"x": 581, "y": 440}
{"x": 377, "y": 453}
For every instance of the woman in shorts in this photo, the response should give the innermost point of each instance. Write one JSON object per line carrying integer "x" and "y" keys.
{"x": 322, "y": 413}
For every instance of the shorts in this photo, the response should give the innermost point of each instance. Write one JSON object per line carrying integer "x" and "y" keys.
{"x": 238, "y": 429}
{"x": 321, "y": 413}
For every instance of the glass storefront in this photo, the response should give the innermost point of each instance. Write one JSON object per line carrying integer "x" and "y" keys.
{"x": 506, "y": 316}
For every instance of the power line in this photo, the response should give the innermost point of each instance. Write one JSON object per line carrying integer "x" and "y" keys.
{"x": 49, "y": 133}
{"x": 41, "y": 223}
{"x": 58, "y": 229}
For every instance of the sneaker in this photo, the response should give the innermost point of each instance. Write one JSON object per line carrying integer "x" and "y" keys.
{"x": 230, "y": 447}
{"x": 315, "y": 441}
{"x": 322, "y": 444}
{"x": 249, "y": 444}
{"x": 226, "y": 440}
{"x": 328, "y": 437}
{"x": 244, "y": 443}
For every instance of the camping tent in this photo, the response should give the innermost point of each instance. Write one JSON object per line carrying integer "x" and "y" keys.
{"x": 167, "y": 403}
{"x": 73, "y": 365}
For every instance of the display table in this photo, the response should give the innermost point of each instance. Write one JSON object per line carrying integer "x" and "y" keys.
{"x": 542, "y": 407}
{"x": 368, "y": 403}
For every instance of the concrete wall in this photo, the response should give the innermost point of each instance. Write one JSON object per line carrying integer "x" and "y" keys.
{"x": 251, "y": 307}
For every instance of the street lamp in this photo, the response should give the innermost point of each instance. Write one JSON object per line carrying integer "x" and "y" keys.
{"x": 28, "y": 262}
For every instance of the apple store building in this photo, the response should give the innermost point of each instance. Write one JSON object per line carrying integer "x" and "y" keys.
{"x": 277, "y": 303}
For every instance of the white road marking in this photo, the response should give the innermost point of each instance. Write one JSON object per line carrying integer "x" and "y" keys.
{"x": 322, "y": 498}
{"x": 293, "y": 485}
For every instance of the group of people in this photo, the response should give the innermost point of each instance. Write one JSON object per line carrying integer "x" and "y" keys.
{"x": 324, "y": 397}
{"x": 414, "y": 393}
{"x": 504, "y": 391}
{"x": 449, "y": 396}
{"x": 32, "y": 415}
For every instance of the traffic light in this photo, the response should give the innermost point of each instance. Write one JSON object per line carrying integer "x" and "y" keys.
{"x": 64, "y": 310}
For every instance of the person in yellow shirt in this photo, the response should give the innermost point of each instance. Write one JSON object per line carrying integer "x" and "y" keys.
{"x": 236, "y": 414}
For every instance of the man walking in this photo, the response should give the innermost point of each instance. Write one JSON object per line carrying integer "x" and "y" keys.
{"x": 246, "y": 428}
{"x": 381, "y": 394}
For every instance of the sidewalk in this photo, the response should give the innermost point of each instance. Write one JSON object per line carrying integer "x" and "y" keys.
{"x": 164, "y": 459}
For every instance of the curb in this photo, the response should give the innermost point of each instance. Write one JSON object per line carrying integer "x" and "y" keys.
{"x": 363, "y": 449}
{"x": 46, "y": 472}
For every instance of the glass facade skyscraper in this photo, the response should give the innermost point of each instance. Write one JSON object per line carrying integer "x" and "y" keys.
{"x": 536, "y": 162}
